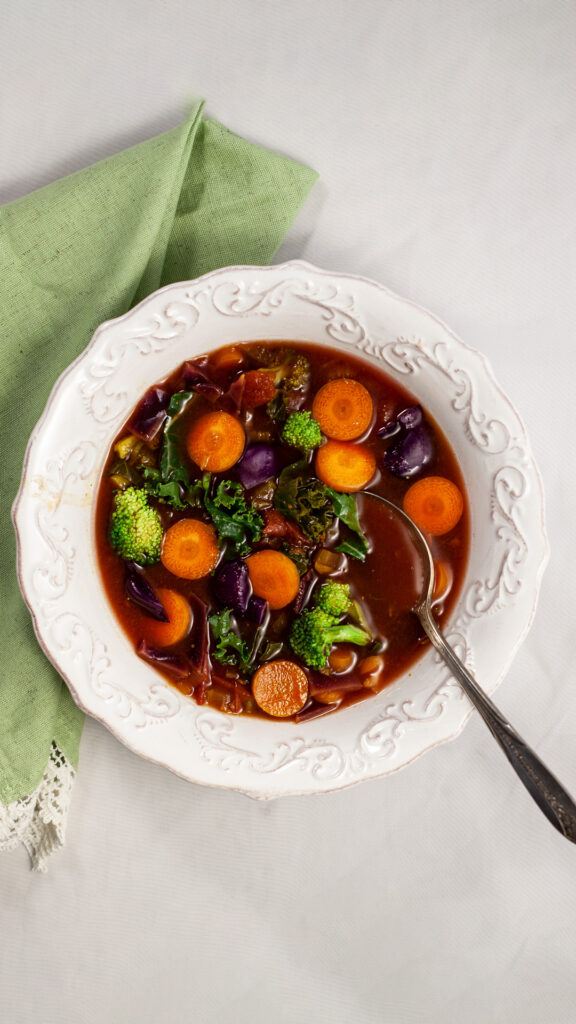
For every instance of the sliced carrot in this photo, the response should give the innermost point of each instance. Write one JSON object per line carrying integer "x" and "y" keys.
{"x": 190, "y": 549}
{"x": 343, "y": 408}
{"x": 435, "y": 504}
{"x": 216, "y": 441}
{"x": 274, "y": 577}
{"x": 165, "y": 634}
{"x": 280, "y": 688}
{"x": 344, "y": 466}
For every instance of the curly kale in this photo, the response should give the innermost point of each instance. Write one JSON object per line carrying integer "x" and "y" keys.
{"x": 232, "y": 517}
{"x": 306, "y": 500}
{"x": 172, "y": 493}
{"x": 314, "y": 506}
{"x": 297, "y": 554}
{"x": 230, "y": 649}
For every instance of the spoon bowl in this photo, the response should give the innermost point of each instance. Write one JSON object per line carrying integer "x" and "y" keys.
{"x": 553, "y": 800}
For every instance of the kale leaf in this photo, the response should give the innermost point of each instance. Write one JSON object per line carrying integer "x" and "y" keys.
{"x": 171, "y": 466}
{"x": 354, "y": 546}
{"x": 172, "y": 493}
{"x": 230, "y": 648}
{"x": 170, "y": 483}
{"x": 314, "y": 506}
{"x": 306, "y": 500}
{"x": 232, "y": 517}
{"x": 346, "y": 509}
{"x": 299, "y": 555}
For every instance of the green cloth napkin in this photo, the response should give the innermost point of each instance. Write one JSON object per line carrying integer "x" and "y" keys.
{"x": 80, "y": 251}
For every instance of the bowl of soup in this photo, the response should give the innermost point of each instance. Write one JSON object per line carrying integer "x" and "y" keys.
{"x": 201, "y": 554}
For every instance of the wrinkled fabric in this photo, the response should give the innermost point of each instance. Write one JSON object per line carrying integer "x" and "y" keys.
{"x": 83, "y": 250}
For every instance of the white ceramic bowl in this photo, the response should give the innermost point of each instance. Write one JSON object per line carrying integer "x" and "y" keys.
{"x": 54, "y": 519}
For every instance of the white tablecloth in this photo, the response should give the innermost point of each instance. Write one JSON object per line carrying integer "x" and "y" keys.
{"x": 445, "y": 136}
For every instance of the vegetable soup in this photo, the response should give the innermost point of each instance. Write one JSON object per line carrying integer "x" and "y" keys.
{"x": 237, "y": 542}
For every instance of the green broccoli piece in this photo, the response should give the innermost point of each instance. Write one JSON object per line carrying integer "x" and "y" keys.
{"x": 333, "y": 598}
{"x": 135, "y": 528}
{"x": 292, "y": 377}
{"x": 292, "y": 367}
{"x": 296, "y": 374}
{"x": 313, "y": 633}
{"x": 301, "y": 431}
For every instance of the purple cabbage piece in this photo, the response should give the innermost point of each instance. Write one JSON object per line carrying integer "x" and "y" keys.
{"x": 177, "y": 664}
{"x": 150, "y": 413}
{"x": 411, "y": 417}
{"x": 258, "y": 464}
{"x": 307, "y": 583}
{"x": 231, "y": 586}
{"x": 141, "y": 593}
{"x": 407, "y": 419}
{"x": 389, "y": 429}
{"x": 256, "y": 610}
{"x": 412, "y": 449}
{"x": 193, "y": 376}
{"x": 410, "y": 453}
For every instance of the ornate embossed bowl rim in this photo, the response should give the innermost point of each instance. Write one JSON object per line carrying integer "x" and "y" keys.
{"x": 53, "y": 515}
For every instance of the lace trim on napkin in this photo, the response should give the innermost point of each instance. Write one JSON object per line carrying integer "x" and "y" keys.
{"x": 39, "y": 820}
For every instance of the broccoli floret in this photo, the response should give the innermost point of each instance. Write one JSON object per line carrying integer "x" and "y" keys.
{"x": 333, "y": 598}
{"x": 135, "y": 528}
{"x": 292, "y": 377}
{"x": 292, "y": 367}
{"x": 301, "y": 431}
{"x": 295, "y": 375}
{"x": 314, "y": 632}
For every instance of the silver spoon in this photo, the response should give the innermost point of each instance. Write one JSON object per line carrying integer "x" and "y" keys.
{"x": 543, "y": 787}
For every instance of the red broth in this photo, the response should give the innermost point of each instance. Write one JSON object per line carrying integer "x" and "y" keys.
{"x": 384, "y": 586}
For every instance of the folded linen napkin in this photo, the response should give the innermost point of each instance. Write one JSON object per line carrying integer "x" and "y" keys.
{"x": 79, "y": 251}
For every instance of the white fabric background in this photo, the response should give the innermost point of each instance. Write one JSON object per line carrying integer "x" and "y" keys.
{"x": 444, "y": 133}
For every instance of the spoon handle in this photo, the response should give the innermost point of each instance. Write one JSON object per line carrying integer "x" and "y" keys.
{"x": 544, "y": 788}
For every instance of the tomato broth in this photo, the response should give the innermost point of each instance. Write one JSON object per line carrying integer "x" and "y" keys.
{"x": 378, "y": 563}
